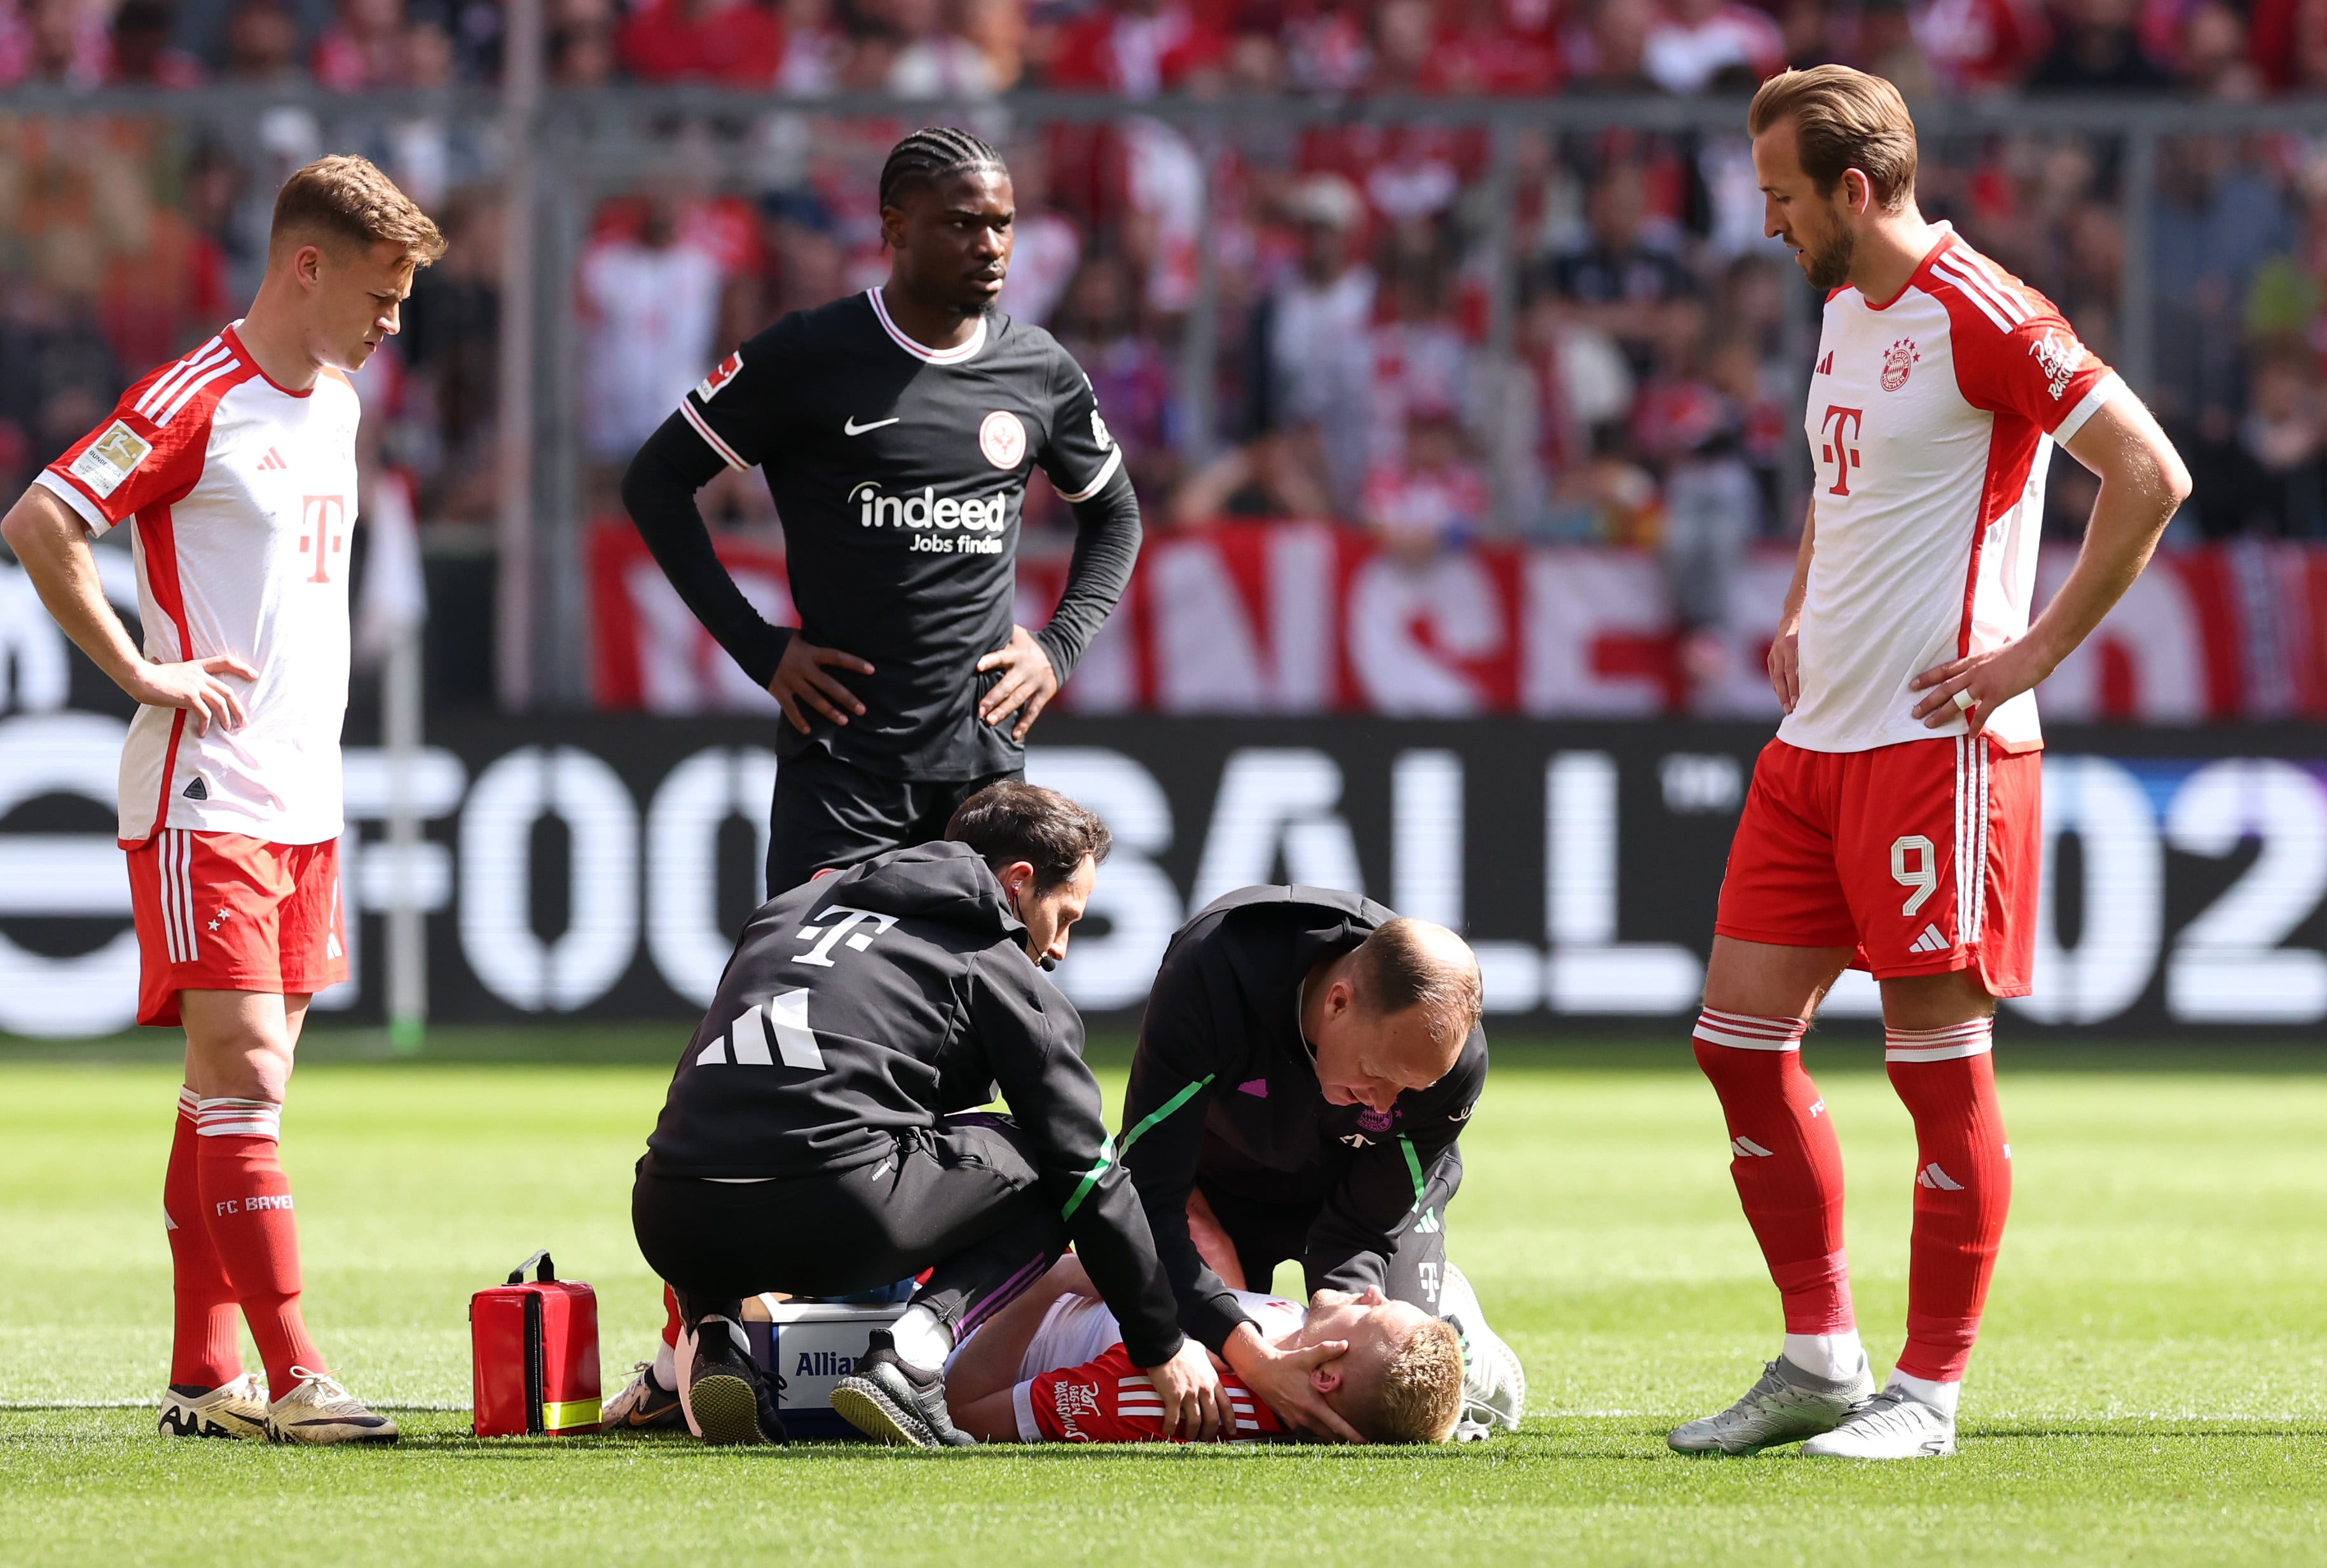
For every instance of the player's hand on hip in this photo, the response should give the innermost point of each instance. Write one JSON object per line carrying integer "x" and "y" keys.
{"x": 1028, "y": 683}
{"x": 1786, "y": 665}
{"x": 803, "y": 678}
{"x": 197, "y": 685}
{"x": 1976, "y": 687}
{"x": 1281, "y": 1380}
{"x": 1191, "y": 1389}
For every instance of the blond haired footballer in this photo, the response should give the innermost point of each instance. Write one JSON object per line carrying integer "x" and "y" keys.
{"x": 1893, "y": 824}
{"x": 234, "y": 469}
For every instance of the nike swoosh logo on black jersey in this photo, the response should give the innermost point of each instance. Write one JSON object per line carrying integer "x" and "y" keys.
{"x": 853, "y": 428}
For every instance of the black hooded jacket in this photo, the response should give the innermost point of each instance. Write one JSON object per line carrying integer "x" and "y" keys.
{"x": 868, "y": 1003}
{"x": 1223, "y": 1082}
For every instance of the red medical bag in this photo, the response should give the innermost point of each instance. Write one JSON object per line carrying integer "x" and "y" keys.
{"x": 536, "y": 1354}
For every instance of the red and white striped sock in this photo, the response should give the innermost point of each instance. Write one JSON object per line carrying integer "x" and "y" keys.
{"x": 247, "y": 1204}
{"x": 205, "y": 1340}
{"x": 1787, "y": 1167}
{"x": 1963, "y": 1189}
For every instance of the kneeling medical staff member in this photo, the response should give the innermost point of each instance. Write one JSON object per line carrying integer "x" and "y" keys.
{"x": 804, "y": 1147}
{"x": 1307, "y": 1061}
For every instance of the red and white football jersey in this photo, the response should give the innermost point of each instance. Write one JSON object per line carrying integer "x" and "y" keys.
{"x": 244, "y": 499}
{"x": 1109, "y": 1400}
{"x": 1931, "y": 418}
{"x": 1077, "y": 1383}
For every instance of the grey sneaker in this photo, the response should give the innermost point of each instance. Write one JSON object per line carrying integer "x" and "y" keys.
{"x": 1787, "y": 1406}
{"x": 1893, "y": 1424}
{"x": 896, "y": 1404}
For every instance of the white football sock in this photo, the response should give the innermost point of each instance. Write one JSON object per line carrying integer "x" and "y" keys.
{"x": 1832, "y": 1356}
{"x": 665, "y": 1366}
{"x": 920, "y": 1339}
{"x": 1939, "y": 1396}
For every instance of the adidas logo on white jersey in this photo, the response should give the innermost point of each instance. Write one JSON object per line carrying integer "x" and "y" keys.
{"x": 1937, "y": 1180}
{"x": 1930, "y": 941}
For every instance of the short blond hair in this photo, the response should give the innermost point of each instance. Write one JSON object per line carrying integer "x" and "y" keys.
{"x": 1843, "y": 120}
{"x": 1419, "y": 1395}
{"x": 349, "y": 199}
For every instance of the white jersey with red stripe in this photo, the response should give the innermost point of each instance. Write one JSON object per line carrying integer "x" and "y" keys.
{"x": 1077, "y": 1384}
{"x": 243, "y": 496}
{"x": 1932, "y": 417}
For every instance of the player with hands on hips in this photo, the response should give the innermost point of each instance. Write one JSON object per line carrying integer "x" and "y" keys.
{"x": 1894, "y": 822}
{"x": 234, "y": 469}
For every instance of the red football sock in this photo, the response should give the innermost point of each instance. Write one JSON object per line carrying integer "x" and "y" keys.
{"x": 247, "y": 1201}
{"x": 1785, "y": 1161}
{"x": 672, "y": 1326}
{"x": 1963, "y": 1189}
{"x": 205, "y": 1349}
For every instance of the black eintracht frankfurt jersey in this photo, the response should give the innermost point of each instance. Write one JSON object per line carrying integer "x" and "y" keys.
{"x": 898, "y": 471}
{"x": 1223, "y": 1081}
{"x": 863, "y": 1005}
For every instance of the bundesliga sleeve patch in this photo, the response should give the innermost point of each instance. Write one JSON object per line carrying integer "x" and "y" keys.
{"x": 708, "y": 387}
{"x": 110, "y": 459}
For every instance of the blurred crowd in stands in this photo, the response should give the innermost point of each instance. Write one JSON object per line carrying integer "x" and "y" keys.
{"x": 1279, "y": 321}
{"x": 1139, "y": 47}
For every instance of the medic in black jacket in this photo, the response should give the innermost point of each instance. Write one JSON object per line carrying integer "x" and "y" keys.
{"x": 1308, "y": 1062}
{"x": 805, "y": 1143}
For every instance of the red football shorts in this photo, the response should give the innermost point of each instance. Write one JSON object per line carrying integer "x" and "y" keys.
{"x": 220, "y": 911}
{"x": 1924, "y": 857}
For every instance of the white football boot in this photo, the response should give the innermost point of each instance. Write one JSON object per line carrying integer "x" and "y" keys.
{"x": 318, "y": 1410}
{"x": 1893, "y": 1424}
{"x": 1494, "y": 1384}
{"x": 1787, "y": 1406}
{"x": 232, "y": 1410}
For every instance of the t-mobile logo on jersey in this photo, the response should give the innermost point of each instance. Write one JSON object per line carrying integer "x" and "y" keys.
{"x": 1842, "y": 424}
{"x": 324, "y": 528}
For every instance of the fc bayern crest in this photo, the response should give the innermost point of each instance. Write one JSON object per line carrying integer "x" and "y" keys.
{"x": 1003, "y": 439}
{"x": 1897, "y": 363}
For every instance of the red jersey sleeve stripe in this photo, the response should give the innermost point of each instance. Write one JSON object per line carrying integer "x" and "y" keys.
{"x": 702, "y": 428}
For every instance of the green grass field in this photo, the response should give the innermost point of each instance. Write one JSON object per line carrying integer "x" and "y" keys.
{"x": 2151, "y": 1388}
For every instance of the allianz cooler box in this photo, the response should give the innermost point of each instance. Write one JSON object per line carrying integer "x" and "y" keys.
{"x": 807, "y": 1347}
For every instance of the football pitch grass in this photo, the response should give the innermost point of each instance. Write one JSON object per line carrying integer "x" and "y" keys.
{"x": 2151, "y": 1386}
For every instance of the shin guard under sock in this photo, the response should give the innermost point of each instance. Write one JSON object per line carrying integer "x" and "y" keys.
{"x": 1963, "y": 1189}
{"x": 1785, "y": 1160}
{"x": 247, "y": 1204}
{"x": 205, "y": 1343}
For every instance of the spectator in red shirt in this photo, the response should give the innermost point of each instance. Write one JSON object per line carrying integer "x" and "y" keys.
{"x": 1480, "y": 50}
{"x": 1137, "y": 47}
{"x": 1978, "y": 45}
{"x": 733, "y": 43}
{"x": 1431, "y": 498}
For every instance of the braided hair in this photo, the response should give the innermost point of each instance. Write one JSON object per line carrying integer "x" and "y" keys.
{"x": 929, "y": 155}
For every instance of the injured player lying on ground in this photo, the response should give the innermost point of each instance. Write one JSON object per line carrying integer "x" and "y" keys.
{"x": 1050, "y": 1368}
